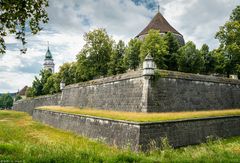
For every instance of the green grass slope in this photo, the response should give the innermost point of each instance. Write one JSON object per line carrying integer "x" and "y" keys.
{"x": 24, "y": 140}
{"x": 143, "y": 117}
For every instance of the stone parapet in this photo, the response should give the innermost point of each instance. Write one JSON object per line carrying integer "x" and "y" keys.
{"x": 27, "y": 105}
{"x": 195, "y": 77}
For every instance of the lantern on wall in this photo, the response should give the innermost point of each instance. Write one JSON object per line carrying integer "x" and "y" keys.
{"x": 148, "y": 65}
{"x": 233, "y": 77}
{"x": 62, "y": 84}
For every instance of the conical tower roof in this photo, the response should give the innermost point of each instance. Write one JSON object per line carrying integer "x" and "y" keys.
{"x": 48, "y": 54}
{"x": 158, "y": 23}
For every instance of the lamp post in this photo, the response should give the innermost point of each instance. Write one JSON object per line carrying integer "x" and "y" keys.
{"x": 148, "y": 66}
{"x": 62, "y": 85}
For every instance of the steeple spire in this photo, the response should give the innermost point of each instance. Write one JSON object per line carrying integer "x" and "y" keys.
{"x": 48, "y": 45}
{"x": 48, "y": 53}
{"x": 48, "y": 61}
{"x": 158, "y": 8}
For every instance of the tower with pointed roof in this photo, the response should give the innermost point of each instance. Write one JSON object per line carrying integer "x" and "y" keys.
{"x": 48, "y": 61}
{"x": 160, "y": 23}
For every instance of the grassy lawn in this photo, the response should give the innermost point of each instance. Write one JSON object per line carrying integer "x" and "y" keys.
{"x": 22, "y": 139}
{"x": 142, "y": 117}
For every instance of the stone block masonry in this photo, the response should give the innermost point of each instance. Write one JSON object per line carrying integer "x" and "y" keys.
{"x": 189, "y": 132}
{"x": 138, "y": 136}
{"x": 122, "y": 92}
{"x": 122, "y": 134}
{"x": 168, "y": 92}
{"x": 28, "y": 105}
{"x": 172, "y": 91}
{"x": 176, "y": 91}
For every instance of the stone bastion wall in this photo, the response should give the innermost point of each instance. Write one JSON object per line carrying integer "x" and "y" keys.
{"x": 163, "y": 92}
{"x": 121, "y": 92}
{"x": 140, "y": 136}
{"x": 177, "y": 91}
{"x": 27, "y": 105}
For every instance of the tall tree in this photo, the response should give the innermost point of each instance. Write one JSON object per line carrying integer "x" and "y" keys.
{"x": 173, "y": 46}
{"x": 95, "y": 54}
{"x": 204, "y": 50}
{"x": 220, "y": 61}
{"x": 210, "y": 63}
{"x": 30, "y": 92}
{"x": 235, "y": 16}
{"x": 190, "y": 59}
{"x": 229, "y": 38}
{"x": 38, "y": 83}
{"x": 67, "y": 73}
{"x": 84, "y": 71}
{"x": 208, "y": 59}
{"x": 52, "y": 85}
{"x": 19, "y": 16}
{"x": 132, "y": 54}
{"x": 154, "y": 45}
{"x": 6, "y": 101}
{"x": 116, "y": 59}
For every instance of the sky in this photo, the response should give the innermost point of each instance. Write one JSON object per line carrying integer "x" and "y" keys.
{"x": 196, "y": 20}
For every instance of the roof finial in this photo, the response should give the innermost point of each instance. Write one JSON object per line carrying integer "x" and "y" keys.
{"x": 158, "y": 8}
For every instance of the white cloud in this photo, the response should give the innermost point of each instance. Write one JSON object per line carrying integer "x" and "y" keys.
{"x": 12, "y": 81}
{"x": 200, "y": 19}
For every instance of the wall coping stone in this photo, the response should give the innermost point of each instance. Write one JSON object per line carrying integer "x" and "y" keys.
{"x": 115, "y": 78}
{"x": 163, "y": 74}
{"x": 38, "y": 97}
{"x": 196, "y": 77}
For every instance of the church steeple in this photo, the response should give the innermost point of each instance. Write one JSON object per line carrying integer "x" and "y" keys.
{"x": 48, "y": 61}
{"x": 48, "y": 54}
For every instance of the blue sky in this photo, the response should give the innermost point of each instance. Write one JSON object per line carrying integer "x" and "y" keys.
{"x": 197, "y": 20}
